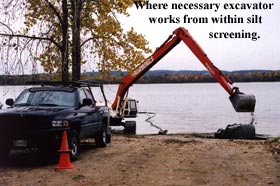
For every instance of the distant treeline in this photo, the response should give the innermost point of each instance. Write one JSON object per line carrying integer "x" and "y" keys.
{"x": 158, "y": 76}
{"x": 204, "y": 77}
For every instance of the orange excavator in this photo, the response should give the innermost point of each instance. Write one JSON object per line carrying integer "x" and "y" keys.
{"x": 127, "y": 108}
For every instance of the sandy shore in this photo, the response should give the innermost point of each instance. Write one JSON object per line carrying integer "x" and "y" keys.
{"x": 154, "y": 160}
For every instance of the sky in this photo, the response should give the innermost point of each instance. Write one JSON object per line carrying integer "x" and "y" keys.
{"x": 225, "y": 53}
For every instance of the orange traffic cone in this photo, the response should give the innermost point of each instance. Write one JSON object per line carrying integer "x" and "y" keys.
{"x": 64, "y": 158}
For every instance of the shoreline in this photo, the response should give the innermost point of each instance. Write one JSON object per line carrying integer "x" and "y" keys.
{"x": 172, "y": 159}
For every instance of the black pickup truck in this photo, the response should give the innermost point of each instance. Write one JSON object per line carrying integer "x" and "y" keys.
{"x": 37, "y": 118}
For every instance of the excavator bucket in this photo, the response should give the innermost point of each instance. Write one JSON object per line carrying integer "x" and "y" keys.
{"x": 243, "y": 102}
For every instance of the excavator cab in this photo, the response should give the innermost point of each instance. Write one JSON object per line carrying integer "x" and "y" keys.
{"x": 242, "y": 102}
{"x": 130, "y": 108}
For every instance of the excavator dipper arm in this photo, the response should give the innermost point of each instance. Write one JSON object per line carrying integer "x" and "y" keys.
{"x": 241, "y": 102}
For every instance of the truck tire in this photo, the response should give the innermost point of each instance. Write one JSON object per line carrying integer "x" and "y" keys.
{"x": 108, "y": 135}
{"x": 101, "y": 138}
{"x": 130, "y": 127}
{"x": 74, "y": 144}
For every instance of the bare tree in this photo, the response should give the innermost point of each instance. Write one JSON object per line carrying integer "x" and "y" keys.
{"x": 60, "y": 34}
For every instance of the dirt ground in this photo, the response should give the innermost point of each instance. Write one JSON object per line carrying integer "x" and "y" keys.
{"x": 158, "y": 160}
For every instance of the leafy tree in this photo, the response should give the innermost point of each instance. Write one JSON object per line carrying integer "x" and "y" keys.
{"x": 68, "y": 33}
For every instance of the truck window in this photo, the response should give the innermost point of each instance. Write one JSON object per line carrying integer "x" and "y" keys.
{"x": 46, "y": 98}
{"x": 89, "y": 95}
{"x": 82, "y": 96}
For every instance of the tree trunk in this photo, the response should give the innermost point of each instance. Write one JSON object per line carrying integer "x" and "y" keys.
{"x": 64, "y": 48}
{"x": 76, "y": 49}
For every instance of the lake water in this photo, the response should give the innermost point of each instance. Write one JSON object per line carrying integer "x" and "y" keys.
{"x": 198, "y": 107}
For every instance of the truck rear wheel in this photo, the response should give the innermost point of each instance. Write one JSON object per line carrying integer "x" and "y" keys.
{"x": 108, "y": 135}
{"x": 101, "y": 138}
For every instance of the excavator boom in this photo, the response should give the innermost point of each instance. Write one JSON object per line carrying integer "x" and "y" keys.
{"x": 241, "y": 102}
